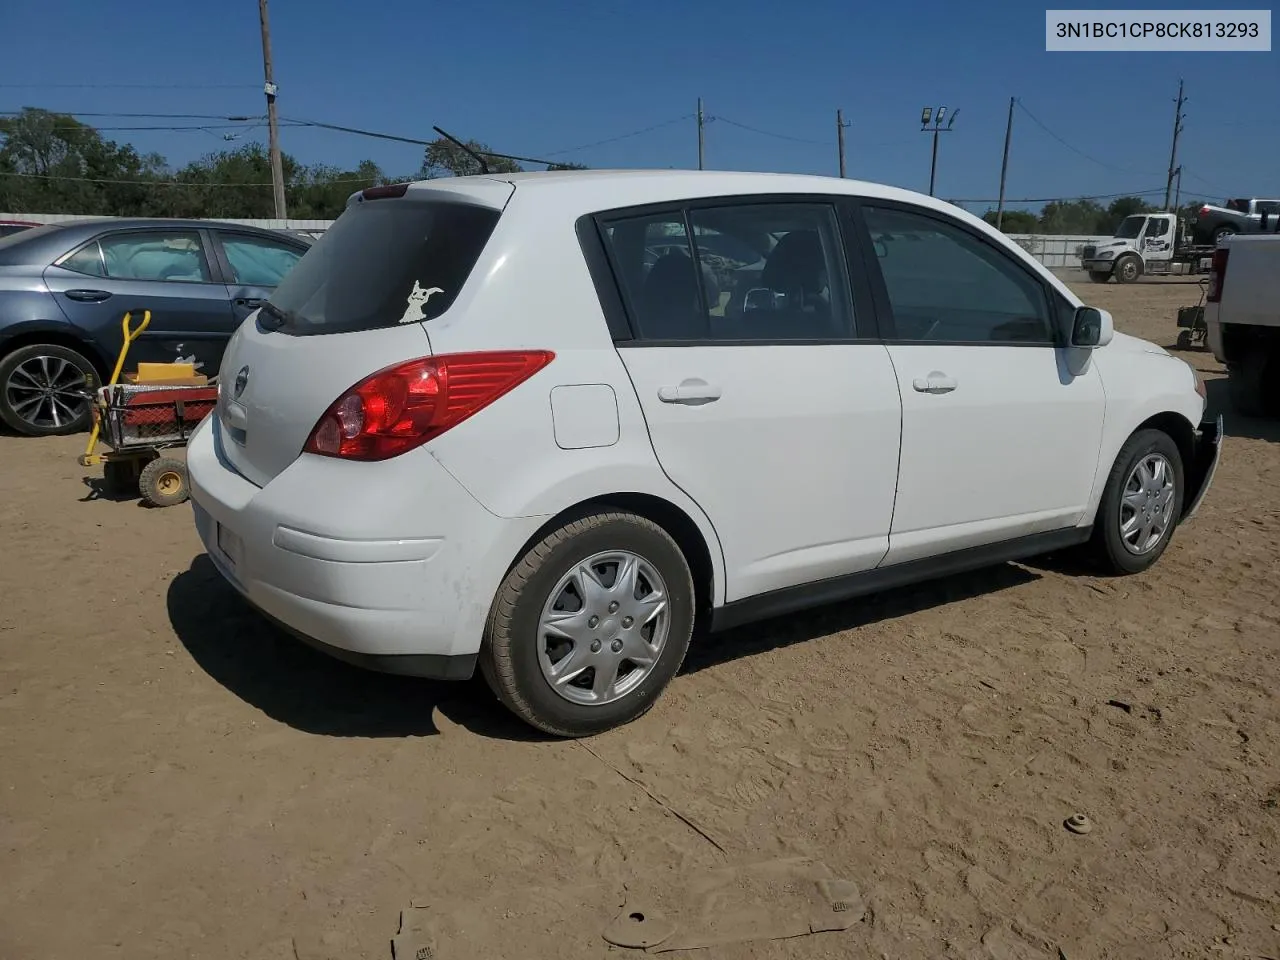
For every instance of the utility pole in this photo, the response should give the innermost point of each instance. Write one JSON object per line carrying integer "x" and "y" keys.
{"x": 273, "y": 126}
{"x": 1177, "y": 196}
{"x": 936, "y": 129}
{"x": 1178, "y": 117}
{"x": 840, "y": 125}
{"x": 1004, "y": 165}
{"x": 701, "y": 139}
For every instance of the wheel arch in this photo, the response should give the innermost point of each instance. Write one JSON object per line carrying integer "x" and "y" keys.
{"x": 675, "y": 521}
{"x": 29, "y": 335}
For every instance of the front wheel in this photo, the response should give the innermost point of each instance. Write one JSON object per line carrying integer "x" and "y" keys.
{"x": 590, "y": 625}
{"x": 1128, "y": 269}
{"x": 1141, "y": 504}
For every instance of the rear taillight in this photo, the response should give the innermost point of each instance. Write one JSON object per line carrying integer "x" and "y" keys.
{"x": 404, "y": 406}
{"x": 1217, "y": 275}
{"x": 1204, "y": 211}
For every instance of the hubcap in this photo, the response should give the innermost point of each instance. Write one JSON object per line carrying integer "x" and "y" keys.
{"x": 603, "y": 628}
{"x": 46, "y": 392}
{"x": 1146, "y": 509}
{"x": 169, "y": 483}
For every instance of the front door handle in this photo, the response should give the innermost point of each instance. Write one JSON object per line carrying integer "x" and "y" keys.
{"x": 87, "y": 296}
{"x": 251, "y": 303}
{"x": 692, "y": 392}
{"x": 935, "y": 382}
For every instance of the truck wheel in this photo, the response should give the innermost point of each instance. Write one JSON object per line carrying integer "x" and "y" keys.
{"x": 1098, "y": 276}
{"x": 1252, "y": 391}
{"x": 1128, "y": 269}
{"x": 1224, "y": 231}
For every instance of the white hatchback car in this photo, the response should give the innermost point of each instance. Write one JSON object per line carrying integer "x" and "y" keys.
{"x": 555, "y": 422}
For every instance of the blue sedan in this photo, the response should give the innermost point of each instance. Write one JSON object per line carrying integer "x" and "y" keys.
{"x": 64, "y": 289}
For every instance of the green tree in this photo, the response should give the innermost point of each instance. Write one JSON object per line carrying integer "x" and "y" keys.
{"x": 1015, "y": 221}
{"x": 53, "y": 163}
{"x": 566, "y": 166}
{"x": 1120, "y": 208}
{"x": 444, "y": 158}
{"x": 1070, "y": 217}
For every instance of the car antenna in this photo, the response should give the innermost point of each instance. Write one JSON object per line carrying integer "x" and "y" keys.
{"x": 484, "y": 167}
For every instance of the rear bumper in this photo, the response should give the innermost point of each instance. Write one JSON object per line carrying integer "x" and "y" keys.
{"x": 392, "y": 566}
{"x": 1204, "y": 465}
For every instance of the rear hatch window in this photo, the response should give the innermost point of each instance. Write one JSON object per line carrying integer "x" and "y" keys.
{"x": 384, "y": 263}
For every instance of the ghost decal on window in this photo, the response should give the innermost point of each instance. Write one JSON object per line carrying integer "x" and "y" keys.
{"x": 414, "y": 309}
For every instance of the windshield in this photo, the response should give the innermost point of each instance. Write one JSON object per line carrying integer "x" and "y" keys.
{"x": 383, "y": 263}
{"x": 1130, "y": 227}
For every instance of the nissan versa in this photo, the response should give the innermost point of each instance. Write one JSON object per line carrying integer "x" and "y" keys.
{"x": 560, "y": 424}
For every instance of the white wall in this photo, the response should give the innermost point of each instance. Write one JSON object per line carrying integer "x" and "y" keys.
{"x": 1054, "y": 251}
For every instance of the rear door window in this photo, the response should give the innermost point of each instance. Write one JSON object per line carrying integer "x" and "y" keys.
{"x": 258, "y": 261}
{"x": 383, "y": 263}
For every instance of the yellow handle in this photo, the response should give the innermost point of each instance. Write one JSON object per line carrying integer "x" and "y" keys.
{"x": 130, "y": 335}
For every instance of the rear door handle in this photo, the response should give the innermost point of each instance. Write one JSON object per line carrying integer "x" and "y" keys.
{"x": 87, "y": 296}
{"x": 692, "y": 392}
{"x": 935, "y": 382}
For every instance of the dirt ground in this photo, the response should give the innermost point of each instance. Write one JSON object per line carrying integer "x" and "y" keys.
{"x": 181, "y": 781}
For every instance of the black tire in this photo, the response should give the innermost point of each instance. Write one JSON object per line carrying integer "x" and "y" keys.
{"x": 509, "y": 657}
{"x": 18, "y": 415}
{"x": 1251, "y": 383}
{"x": 1220, "y": 232}
{"x": 1184, "y": 339}
{"x": 1106, "y": 545}
{"x": 1099, "y": 276}
{"x": 163, "y": 482}
{"x": 1128, "y": 269}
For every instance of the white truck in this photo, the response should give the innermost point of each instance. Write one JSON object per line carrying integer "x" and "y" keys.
{"x": 1154, "y": 243}
{"x": 1242, "y": 320}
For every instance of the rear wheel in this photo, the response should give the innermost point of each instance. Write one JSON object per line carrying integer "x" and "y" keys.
{"x": 1220, "y": 232}
{"x": 590, "y": 625}
{"x": 45, "y": 390}
{"x": 1251, "y": 383}
{"x": 1099, "y": 276}
{"x": 1140, "y": 504}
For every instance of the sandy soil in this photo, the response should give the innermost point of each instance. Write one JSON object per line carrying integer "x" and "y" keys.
{"x": 181, "y": 781}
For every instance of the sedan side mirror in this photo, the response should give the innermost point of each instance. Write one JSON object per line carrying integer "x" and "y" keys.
{"x": 1092, "y": 328}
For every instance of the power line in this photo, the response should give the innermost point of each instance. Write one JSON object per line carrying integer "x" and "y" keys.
{"x": 139, "y": 116}
{"x": 129, "y": 86}
{"x": 770, "y": 133}
{"x": 1073, "y": 149}
{"x": 624, "y": 136}
{"x": 164, "y": 183}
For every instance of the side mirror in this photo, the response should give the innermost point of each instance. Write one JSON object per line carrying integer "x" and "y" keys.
{"x": 1091, "y": 328}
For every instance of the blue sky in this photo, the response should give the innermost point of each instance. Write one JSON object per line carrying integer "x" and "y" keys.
{"x": 536, "y": 79}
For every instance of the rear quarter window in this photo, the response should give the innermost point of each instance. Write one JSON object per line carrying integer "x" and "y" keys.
{"x": 382, "y": 264}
